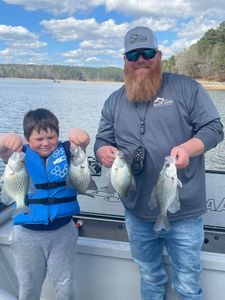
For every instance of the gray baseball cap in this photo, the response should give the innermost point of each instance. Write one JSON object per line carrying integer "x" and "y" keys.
{"x": 140, "y": 37}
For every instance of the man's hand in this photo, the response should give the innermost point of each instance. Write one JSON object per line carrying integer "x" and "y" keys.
{"x": 106, "y": 155}
{"x": 182, "y": 157}
{"x": 183, "y": 152}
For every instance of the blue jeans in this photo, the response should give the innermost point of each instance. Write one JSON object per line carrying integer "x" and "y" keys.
{"x": 183, "y": 243}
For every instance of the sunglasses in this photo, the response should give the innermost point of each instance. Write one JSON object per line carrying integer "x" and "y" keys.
{"x": 146, "y": 54}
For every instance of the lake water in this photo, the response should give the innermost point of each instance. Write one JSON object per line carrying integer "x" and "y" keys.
{"x": 76, "y": 104}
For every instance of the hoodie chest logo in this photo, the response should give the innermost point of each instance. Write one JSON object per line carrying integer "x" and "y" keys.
{"x": 159, "y": 102}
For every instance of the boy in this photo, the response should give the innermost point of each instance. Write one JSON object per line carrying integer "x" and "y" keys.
{"x": 44, "y": 240}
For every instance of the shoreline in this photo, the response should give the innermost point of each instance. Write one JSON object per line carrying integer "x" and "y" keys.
{"x": 209, "y": 85}
{"x": 212, "y": 85}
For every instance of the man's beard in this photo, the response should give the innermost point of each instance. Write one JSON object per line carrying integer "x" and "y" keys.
{"x": 143, "y": 87}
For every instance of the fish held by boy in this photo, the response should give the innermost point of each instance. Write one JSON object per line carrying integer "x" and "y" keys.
{"x": 165, "y": 193}
{"x": 120, "y": 176}
{"x": 79, "y": 171}
{"x": 15, "y": 182}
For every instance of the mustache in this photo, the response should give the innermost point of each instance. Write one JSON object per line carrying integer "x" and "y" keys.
{"x": 140, "y": 65}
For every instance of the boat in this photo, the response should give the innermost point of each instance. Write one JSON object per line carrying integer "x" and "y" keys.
{"x": 104, "y": 267}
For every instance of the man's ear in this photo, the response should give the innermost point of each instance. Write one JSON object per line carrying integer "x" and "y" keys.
{"x": 159, "y": 54}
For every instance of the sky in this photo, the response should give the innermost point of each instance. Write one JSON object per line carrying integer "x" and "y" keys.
{"x": 90, "y": 33}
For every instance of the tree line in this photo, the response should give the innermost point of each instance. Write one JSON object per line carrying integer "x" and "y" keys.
{"x": 60, "y": 72}
{"x": 203, "y": 60}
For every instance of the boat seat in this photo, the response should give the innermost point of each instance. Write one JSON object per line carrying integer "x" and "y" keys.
{"x": 6, "y": 296}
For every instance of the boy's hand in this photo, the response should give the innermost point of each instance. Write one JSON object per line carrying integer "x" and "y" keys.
{"x": 79, "y": 137}
{"x": 11, "y": 141}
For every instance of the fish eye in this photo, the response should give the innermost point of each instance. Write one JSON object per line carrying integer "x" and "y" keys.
{"x": 167, "y": 165}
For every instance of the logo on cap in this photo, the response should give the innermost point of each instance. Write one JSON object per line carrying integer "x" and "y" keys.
{"x": 136, "y": 38}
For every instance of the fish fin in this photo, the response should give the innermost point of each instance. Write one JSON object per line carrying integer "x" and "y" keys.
{"x": 10, "y": 236}
{"x": 92, "y": 185}
{"x": 108, "y": 174}
{"x": 69, "y": 183}
{"x": 31, "y": 187}
{"x": 153, "y": 203}
{"x": 2, "y": 179}
{"x": 87, "y": 194}
{"x": 175, "y": 205}
{"x": 162, "y": 222}
{"x": 23, "y": 209}
{"x": 179, "y": 183}
{"x": 132, "y": 186}
{"x": 109, "y": 188}
{"x": 5, "y": 199}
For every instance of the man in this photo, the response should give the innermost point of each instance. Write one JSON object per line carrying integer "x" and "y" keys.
{"x": 154, "y": 115}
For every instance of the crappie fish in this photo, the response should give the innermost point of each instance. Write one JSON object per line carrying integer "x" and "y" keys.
{"x": 15, "y": 181}
{"x": 120, "y": 176}
{"x": 79, "y": 171}
{"x": 165, "y": 193}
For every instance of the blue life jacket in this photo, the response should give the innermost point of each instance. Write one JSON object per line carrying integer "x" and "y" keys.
{"x": 48, "y": 196}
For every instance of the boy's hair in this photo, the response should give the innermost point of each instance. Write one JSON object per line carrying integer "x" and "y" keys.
{"x": 39, "y": 119}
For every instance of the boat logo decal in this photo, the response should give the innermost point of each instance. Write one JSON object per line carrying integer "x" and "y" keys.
{"x": 213, "y": 206}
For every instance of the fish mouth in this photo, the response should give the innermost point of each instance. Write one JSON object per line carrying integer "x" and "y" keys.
{"x": 170, "y": 159}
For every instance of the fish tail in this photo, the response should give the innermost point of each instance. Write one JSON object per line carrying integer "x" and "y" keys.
{"x": 162, "y": 222}
{"x": 92, "y": 185}
{"x": 23, "y": 209}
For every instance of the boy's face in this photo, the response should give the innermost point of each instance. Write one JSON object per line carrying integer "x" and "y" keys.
{"x": 43, "y": 142}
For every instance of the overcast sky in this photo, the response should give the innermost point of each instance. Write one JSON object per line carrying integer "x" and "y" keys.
{"x": 91, "y": 32}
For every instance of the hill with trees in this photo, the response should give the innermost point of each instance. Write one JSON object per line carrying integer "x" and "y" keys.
{"x": 203, "y": 60}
